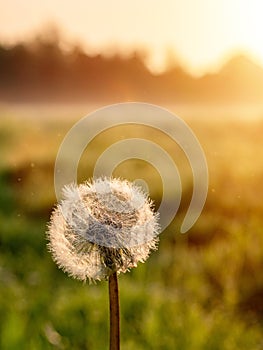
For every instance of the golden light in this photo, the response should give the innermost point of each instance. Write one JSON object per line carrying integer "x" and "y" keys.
{"x": 201, "y": 33}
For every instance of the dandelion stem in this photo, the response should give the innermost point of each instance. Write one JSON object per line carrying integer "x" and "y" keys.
{"x": 114, "y": 312}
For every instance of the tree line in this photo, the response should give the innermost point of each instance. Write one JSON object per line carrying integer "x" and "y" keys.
{"x": 42, "y": 71}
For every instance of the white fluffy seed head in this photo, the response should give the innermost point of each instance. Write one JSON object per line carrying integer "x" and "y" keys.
{"x": 100, "y": 227}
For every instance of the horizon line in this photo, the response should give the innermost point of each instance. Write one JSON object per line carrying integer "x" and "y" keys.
{"x": 143, "y": 53}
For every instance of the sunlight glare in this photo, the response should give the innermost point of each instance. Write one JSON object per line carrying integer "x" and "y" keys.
{"x": 252, "y": 28}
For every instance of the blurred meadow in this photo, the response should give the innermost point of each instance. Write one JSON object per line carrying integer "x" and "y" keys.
{"x": 200, "y": 291}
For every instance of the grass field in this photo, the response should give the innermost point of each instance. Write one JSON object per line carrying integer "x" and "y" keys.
{"x": 203, "y": 290}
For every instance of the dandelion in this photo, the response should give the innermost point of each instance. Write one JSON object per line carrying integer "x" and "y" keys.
{"x": 102, "y": 228}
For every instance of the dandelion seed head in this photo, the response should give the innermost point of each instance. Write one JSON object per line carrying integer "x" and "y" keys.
{"x": 100, "y": 227}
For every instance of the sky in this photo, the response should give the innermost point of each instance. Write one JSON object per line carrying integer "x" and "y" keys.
{"x": 200, "y": 34}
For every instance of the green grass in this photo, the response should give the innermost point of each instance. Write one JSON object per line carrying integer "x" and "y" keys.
{"x": 203, "y": 290}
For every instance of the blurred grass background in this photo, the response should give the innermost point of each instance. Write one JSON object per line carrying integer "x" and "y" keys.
{"x": 202, "y": 290}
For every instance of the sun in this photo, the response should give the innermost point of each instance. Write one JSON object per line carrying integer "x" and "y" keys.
{"x": 251, "y": 27}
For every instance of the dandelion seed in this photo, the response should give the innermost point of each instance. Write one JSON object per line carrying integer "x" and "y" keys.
{"x": 102, "y": 227}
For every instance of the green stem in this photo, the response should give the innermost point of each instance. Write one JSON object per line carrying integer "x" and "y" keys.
{"x": 114, "y": 312}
